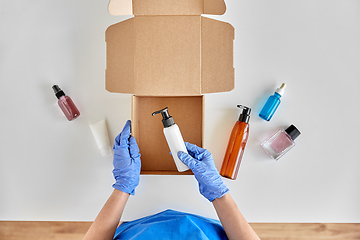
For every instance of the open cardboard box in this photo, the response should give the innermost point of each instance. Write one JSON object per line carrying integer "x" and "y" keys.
{"x": 168, "y": 55}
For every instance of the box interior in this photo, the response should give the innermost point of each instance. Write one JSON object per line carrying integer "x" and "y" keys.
{"x": 187, "y": 113}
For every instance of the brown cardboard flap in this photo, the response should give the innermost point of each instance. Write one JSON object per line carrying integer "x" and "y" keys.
{"x": 155, "y": 56}
{"x": 166, "y": 7}
{"x": 214, "y": 7}
{"x": 120, "y": 67}
{"x": 187, "y": 113}
{"x": 217, "y": 67}
{"x": 170, "y": 56}
{"x": 167, "y": 54}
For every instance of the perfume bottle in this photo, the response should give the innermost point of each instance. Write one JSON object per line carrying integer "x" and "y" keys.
{"x": 236, "y": 146}
{"x": 66, "y": 104}
{"x": 281, "y": 142}
{"x": 272, "y": 103}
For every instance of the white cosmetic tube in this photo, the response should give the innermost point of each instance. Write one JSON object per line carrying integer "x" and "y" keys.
{"x": 101, "y": 136}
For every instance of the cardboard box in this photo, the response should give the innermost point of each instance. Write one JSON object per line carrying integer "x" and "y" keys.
{"x": 168, "y": 55}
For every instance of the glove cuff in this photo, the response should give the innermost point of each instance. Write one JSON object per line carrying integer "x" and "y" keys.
{"x": 124, "y": 189}
{"x": 224, "y": 191}
{"x": 212, "y": 192}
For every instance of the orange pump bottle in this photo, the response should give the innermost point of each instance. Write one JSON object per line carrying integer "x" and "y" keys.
{"x": 236, "y": 146}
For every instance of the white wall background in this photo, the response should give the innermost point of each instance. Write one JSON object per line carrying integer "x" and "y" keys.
{"x": 51, "y": 169}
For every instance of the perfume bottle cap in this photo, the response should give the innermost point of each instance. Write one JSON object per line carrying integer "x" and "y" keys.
{"x": 58, "y": 92}
{"x": 281, "y": 89}
{"x": 167, "y": 119}
{"x": 293, "y": 132}
{"x": 245, "y": 115}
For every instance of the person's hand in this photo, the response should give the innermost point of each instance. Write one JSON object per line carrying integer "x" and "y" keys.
{"x": 126, "y": 161}
{"x": 200, "y": 161}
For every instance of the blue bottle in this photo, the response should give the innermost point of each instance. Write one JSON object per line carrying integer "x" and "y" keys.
{"x": 272, "y": 103}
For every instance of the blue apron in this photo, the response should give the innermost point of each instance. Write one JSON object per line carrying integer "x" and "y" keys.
{"x": 171, "y": 224}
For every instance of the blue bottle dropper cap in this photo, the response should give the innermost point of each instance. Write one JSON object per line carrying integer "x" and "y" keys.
{"x": 281, "y": 89}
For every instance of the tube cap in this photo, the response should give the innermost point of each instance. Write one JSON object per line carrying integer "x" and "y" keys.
{"x": 106, "y": 151}
{"x": 293, "y": 132}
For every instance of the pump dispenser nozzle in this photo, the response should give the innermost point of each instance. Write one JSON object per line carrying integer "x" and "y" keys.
{"x": 167, "y": 119}
{"x": 245, "y": 115}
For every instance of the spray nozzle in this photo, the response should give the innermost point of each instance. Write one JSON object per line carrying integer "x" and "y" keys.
{"x": 58, "y": 92}
{"x": 167, "y": 119}
{"x": 245, "y": 114}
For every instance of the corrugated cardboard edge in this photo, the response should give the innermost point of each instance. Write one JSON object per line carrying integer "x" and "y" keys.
{"x": 134, "y": 125}
{"x": 203, "y": 123}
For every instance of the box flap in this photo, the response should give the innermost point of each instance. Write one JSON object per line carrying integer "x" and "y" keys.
{"x": 120, "y": 67}
{"x": 217, "y": 67}
{"x": 214, "y": 7}
{"x": 166, "y": 7}
{"x": 155, "y": 56}
{"x": 167, "y": 55}
{"x": 170, "y": 56}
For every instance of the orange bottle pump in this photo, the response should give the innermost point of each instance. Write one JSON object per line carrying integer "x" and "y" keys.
{"x": 236, "y": 146}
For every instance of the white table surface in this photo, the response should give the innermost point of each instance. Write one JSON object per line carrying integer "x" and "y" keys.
{"x": 51, "y": 169}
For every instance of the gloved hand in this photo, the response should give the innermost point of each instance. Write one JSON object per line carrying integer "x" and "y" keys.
{"x": 200, "y": 161}
{"x": 126, "y": 161}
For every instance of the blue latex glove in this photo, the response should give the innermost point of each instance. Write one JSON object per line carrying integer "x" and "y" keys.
{"x": 126, "y": 161}
{"x": 201, "y": 162}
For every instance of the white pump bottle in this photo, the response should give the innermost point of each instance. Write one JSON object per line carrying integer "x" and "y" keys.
{"x": 174, "y": 138}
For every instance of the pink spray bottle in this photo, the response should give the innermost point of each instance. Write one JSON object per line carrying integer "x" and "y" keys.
{"x": 66, "y": 104}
